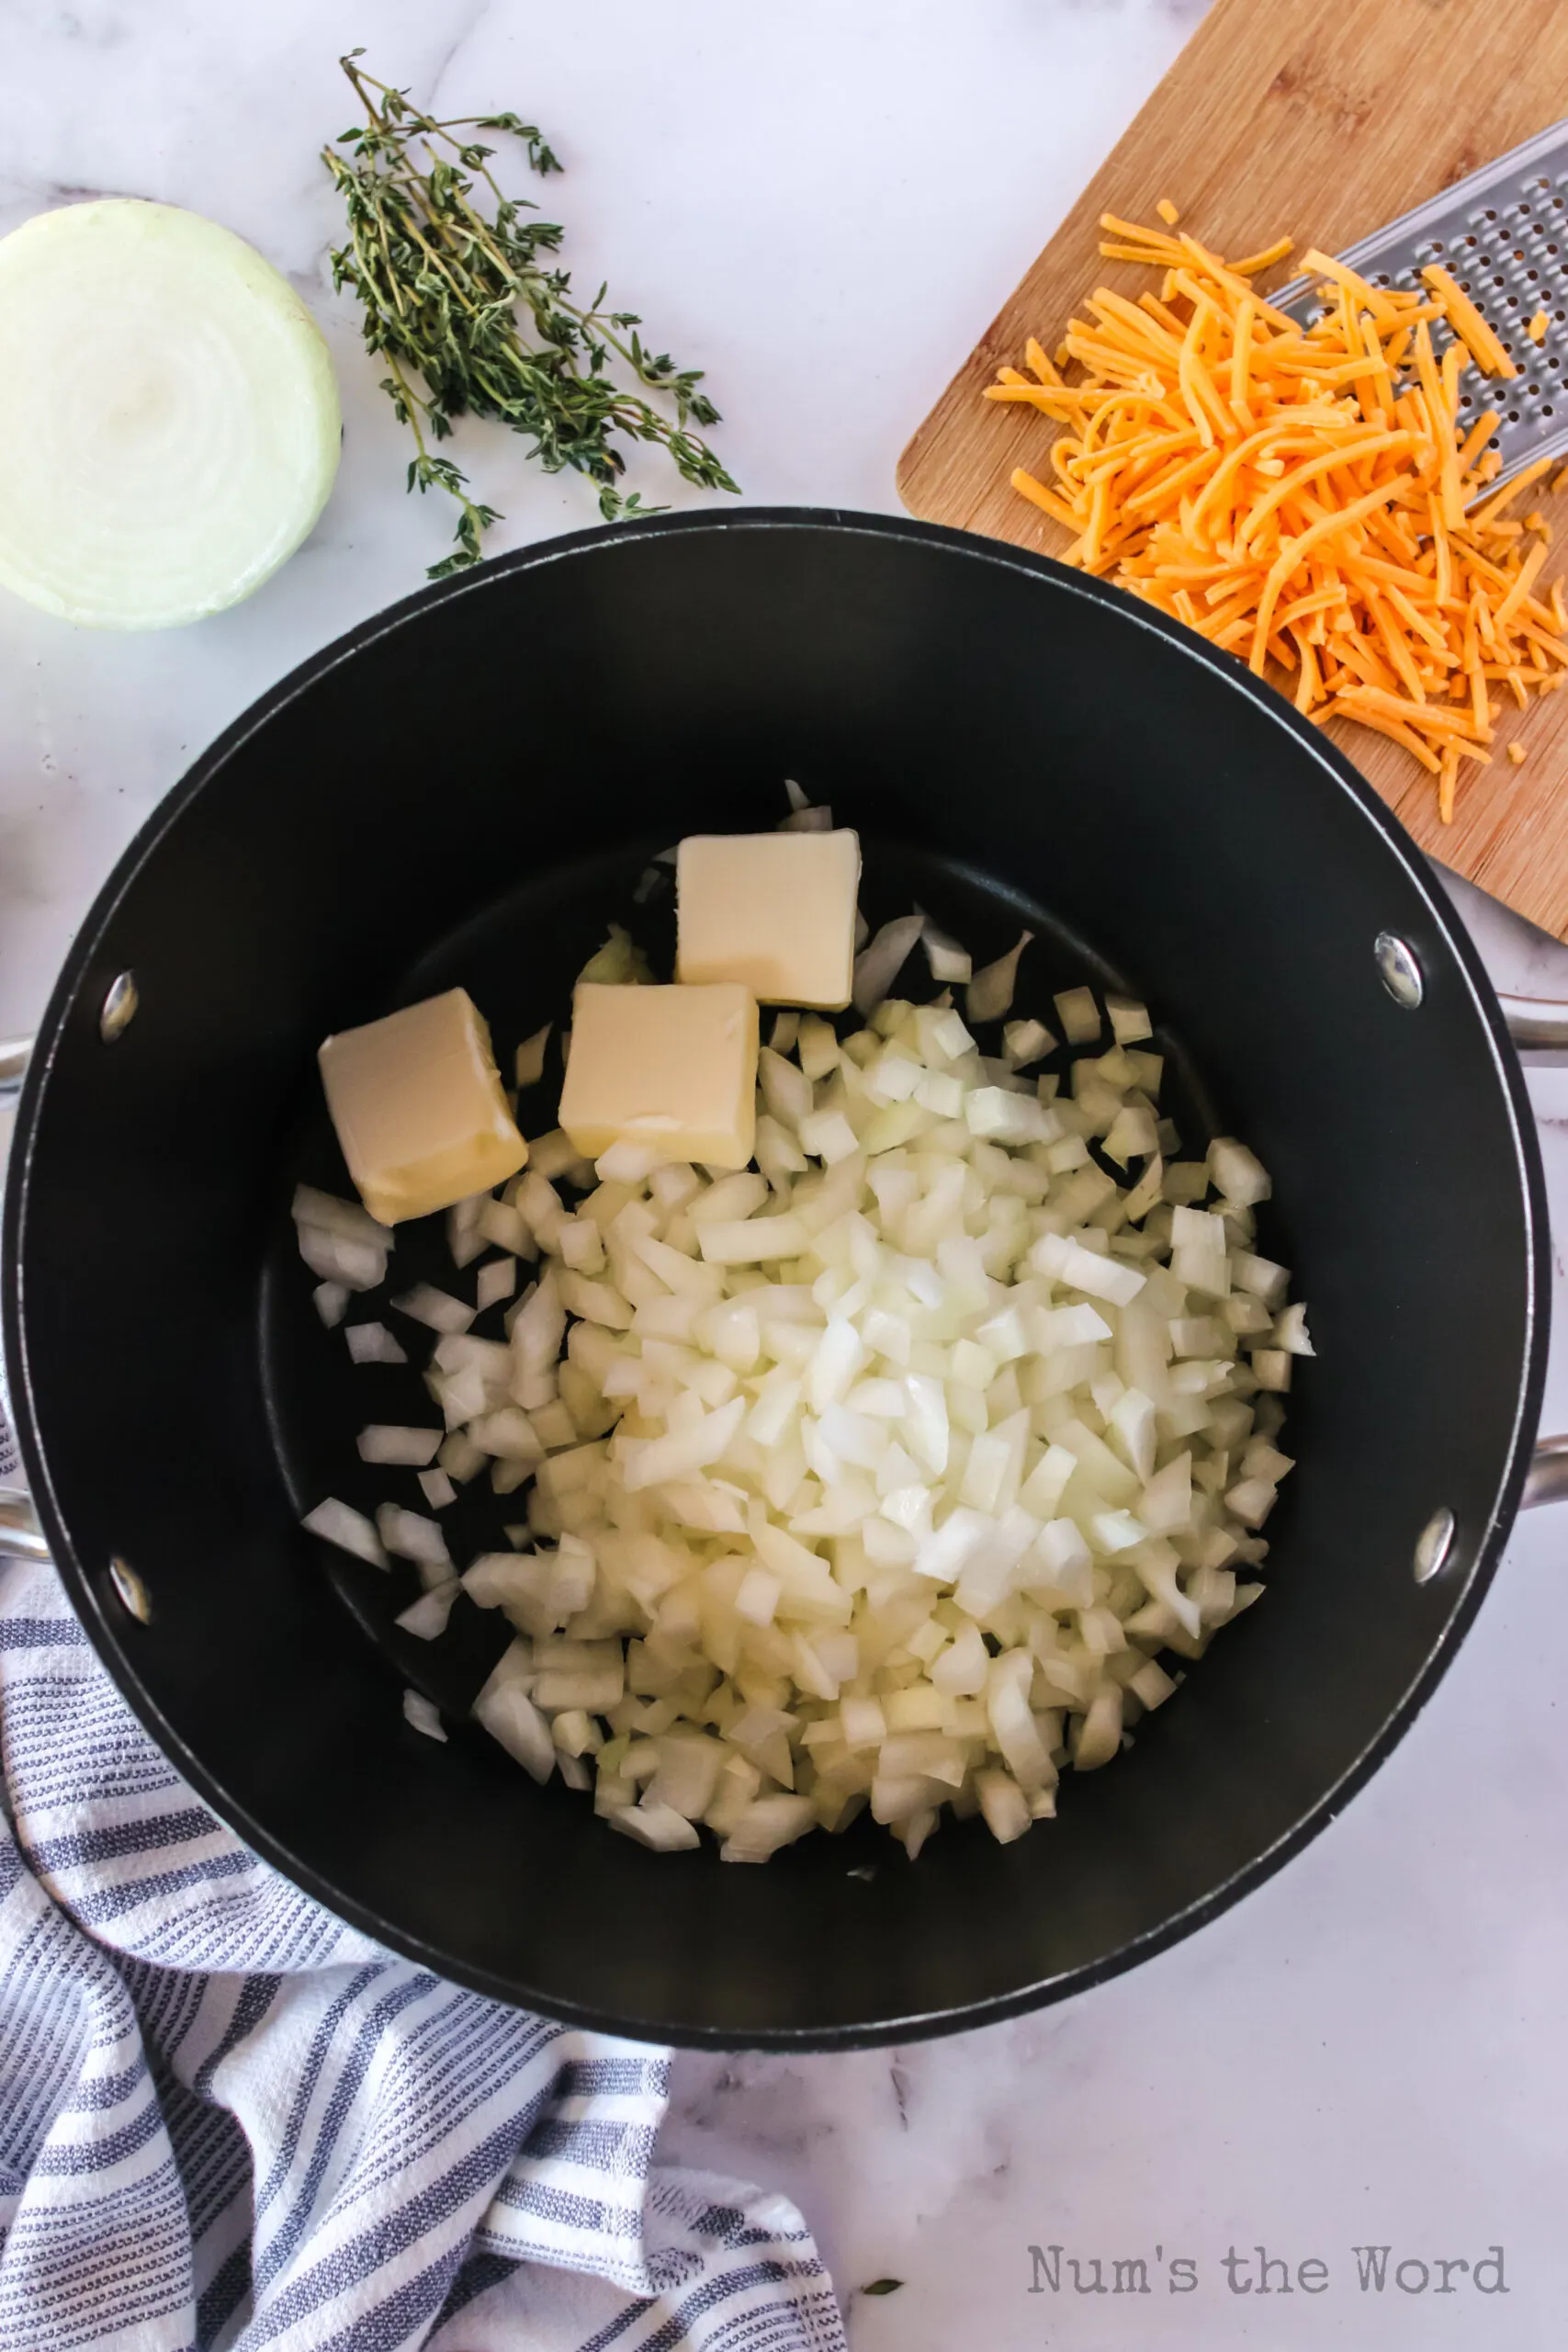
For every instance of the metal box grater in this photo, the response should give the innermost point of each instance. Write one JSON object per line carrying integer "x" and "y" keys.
{"x": 1502, "y": 234}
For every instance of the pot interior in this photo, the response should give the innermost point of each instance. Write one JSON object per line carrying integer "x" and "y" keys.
{"x": 467, "y": 792}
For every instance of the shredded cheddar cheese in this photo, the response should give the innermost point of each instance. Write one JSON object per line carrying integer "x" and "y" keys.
{"x": 1167, "y": 212}
{"x": 1515, "y": 754}
{"x": 1468, "y": 323}
{"x": 1538, "y": 326}
{"x": 1302, "y": 497}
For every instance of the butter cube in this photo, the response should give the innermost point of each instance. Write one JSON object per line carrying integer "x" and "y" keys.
{"x": 417, "y": 1103}
{"x": 673, "y": 1069}
{"x": 775, "y": 911}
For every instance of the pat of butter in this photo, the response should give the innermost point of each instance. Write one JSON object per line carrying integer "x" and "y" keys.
{"x": 673, "y": 1069}
{"x": 775, "y": 911}
{"x": 417, "y": 1103}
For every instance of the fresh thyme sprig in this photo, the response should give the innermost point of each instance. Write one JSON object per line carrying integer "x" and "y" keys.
{"x": 471, "y": 321}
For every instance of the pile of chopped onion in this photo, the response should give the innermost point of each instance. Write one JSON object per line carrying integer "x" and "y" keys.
{"x": 879, "y": 1474}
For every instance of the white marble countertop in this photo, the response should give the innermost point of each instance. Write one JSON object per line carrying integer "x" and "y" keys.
{"x": 821, "y": 205}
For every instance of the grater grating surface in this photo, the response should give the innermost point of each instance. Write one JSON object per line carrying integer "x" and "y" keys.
{"x": 1502, "y": 234}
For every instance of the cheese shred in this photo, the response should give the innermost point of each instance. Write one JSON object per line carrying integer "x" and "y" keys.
{"x": 1302, "y": 497}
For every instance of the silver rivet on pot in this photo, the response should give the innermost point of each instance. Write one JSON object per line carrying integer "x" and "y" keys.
{"x": 1433, "y": 1544}
{"x": 1400, "y": 972}
{"x": 131, "y": 1590}
{"x": 119, "y": 1008}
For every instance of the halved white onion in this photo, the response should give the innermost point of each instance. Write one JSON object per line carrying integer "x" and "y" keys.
{"x": 169, "y": 418}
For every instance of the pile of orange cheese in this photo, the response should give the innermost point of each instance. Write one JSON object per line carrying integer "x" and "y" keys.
{"x": 1304, "y": 497}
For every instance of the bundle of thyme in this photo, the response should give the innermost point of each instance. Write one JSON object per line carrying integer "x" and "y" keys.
{"x": 472, "y": 320}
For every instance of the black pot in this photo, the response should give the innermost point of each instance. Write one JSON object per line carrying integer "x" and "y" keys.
{"x": 463, "y": 790}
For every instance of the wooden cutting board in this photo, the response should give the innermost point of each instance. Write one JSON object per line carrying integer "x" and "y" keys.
{"x": 1323, "y": 118}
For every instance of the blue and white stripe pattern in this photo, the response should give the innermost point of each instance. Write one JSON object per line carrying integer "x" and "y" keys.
{"x": 229, "y": 2121}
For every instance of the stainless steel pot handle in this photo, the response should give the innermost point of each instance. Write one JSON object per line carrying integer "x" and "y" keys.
{"x": 19, "y": 1535}
{"x": 1535, "y": 1024}
{"x": 1548, "y": 1478}
{"x": 1532, "y": 1024}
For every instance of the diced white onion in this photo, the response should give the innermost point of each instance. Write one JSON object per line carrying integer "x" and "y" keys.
{"x": 1129, "y": 1021}
{"x": 346, "y": 1220}
{"x": 551, "y": 1155}
{"x": 620, "y": 963}
{"x": 1026, "y": 1042}
{"x": 510, "y": 1716}
{"x": 875, "y": 1476}
{"x": 654, "y": 1824}
{"x": 423, "y": 1714}
{"x": 336, "y": 1524}
{"x": 465, "y": 1238}
{"x": 342, "y": 1260}
{"x": 1291, "y": 1333}
{"x": 767, "y": 1823}
{"x": 528, "y": 1064}
{"x": 950, "y": 964}
{"x": 373, "y": 1343}
{"x": 409, "y": 1537}
{"x": 626, "y": 1163}
{"x": 1004, "y": 1805}
{"x": 1261, "y": 1277}
{"x": 426, "y": 1618}
{"x": 389, "y": 1441}
{"x": 1237, "y": 1173}
{"x": 990, "y": 992}
{"x": 1079, "y": 1016}
{"x": 438, "y": 1308}
{"x": 502, "y": 1226}
{"x": 497, "y": 1280}
{"x": 459, "y": 1457}
{"x": 879, "y": 965}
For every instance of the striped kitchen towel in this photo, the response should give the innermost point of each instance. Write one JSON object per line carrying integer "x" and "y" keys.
{"x": 227, "y": 2120}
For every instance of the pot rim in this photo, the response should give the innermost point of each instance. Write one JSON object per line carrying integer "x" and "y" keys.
{"x": 104, "y": 1634}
